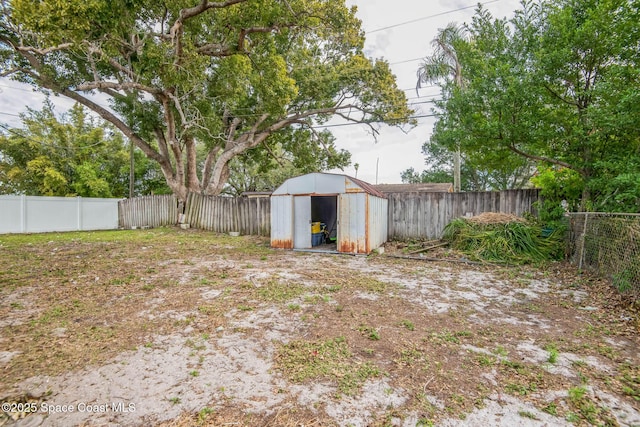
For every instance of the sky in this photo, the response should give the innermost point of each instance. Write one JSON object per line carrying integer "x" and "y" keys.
{"x": 413, "y": 24}
{"x": 404, "y": 45}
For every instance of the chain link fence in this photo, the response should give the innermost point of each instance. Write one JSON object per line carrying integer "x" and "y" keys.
{"x": 609, "y": 244}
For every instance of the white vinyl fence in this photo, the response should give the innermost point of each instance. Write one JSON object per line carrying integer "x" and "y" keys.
{"x": 31, "y": 214}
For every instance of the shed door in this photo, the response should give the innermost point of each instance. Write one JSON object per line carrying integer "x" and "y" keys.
{"x": 302, "y": 222}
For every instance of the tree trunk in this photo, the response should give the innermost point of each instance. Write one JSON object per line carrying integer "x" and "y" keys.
{"x": 193, "y": 183}
{"x": 178, "y": 188}
{"x": 456, "y": 171}
{"x": 585, "y": 201}
{"x": 219, "y": 176}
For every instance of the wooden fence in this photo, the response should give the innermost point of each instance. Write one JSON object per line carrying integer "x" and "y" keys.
{"x": 424, "y": 215}
{"x": 410, "y": 215}
{"x": 225, "y": 214}
{"x": 148, "y": 211}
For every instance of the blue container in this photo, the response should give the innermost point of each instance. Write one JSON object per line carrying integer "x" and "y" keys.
{"x": 316, "y": 239}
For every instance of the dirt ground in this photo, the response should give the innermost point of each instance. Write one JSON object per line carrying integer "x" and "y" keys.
{"x": 181, "y": 327}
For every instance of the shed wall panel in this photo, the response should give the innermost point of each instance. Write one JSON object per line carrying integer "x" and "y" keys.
{"x": 352, "y": 223}
{"x": 282, "y": 222}
{"x": 377, "y": 226}
{"x": 328, "y": 184}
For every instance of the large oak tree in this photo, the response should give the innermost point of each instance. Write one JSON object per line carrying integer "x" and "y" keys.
{"x": 185, "y": 77}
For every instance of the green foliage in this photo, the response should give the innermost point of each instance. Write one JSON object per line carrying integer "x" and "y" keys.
{"x": 560, "y": 191}
{"x": 513, "y": 242}
{"x": 410, "y": 176}
{"x": 482, "y": 168}
{"x": 73, "y": 155}
{"x": 553, "y": 353}
{"x": 557, "y": 85}
{"x": 616, "y": 188}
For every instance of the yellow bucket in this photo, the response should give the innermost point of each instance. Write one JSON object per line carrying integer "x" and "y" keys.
{"x": 315, "y": 227}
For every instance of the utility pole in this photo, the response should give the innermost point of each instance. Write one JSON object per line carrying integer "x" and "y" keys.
{"x": 456, "y": 170}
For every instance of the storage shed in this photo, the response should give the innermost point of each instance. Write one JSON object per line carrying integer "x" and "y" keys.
{"x": 351, "y": 214}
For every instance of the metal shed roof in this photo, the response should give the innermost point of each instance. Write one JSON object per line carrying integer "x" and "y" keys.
{"x": 326, "y": 183}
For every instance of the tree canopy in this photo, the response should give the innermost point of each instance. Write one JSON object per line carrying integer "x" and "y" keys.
{"x": 479, "y": 171}
{"x": 194, "y": 83}
{"x": 557, "y": 85}
{"x": 71, "y": 155}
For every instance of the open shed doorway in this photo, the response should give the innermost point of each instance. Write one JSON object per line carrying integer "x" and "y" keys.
{"x": 324, "y": 209}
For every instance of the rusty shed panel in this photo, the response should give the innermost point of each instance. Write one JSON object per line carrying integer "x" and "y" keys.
{"x": 351, "y": 187}
{"x": 282, "y": 222}
{"x": 352, "y": 223}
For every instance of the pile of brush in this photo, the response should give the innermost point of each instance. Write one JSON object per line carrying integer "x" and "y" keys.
{"x": 503, "y": 238}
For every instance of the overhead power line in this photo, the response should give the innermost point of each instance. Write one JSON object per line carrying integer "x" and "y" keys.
{"x": 337, "y": 125}
{"x": 406, "y": 60}
{"x": 16, "y": 88}
{"x": 429, "y": 17}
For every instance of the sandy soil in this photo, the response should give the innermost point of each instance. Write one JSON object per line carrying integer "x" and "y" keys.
{"x": 188, "y": 328}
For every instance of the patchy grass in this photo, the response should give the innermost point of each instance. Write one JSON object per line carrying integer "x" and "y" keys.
{"x": 587, "y": 409}
{"x": 629, "y": 378}
{"x": 325, "y": 360}
{"x": 275, "y": 290}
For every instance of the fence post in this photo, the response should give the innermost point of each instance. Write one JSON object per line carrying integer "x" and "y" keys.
{"x": 79, "y": 213}
{"x": 582, "y": 238}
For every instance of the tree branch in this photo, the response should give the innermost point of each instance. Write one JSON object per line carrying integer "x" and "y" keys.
{"x": 561, "y": 98}
{"x": 214, "y": 49}
{"x": 43, "y": 52}
{"x": 270, "y": 151}
{"x": 222, "y": 50}
{"x": 513, "y": 148}
{"x": 119, "y": 86}
{"x": 111, "y": 118}
{"x": 201, "y": 8}
{"x": 175, "y": 31}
